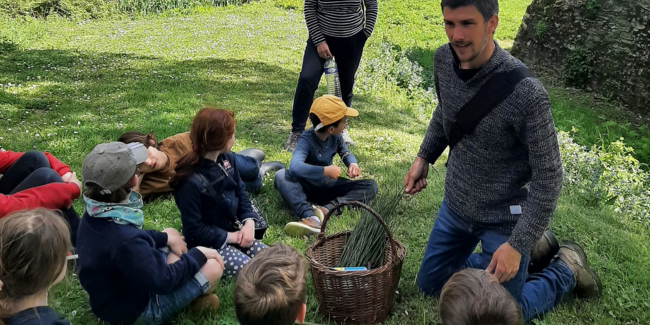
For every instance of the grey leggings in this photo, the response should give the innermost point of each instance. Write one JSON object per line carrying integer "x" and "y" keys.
{"x": 235, "y": 257}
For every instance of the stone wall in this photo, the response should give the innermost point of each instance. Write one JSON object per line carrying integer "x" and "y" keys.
{"x": 599, "y": 45}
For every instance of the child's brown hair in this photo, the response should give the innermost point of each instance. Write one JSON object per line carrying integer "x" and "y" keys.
{"x": 148, "y": 140}
{"x": 211, "y": 130}
{"x": 474, "y": 297}
{"x": 270, "y": 290}
{"x": 33, "y": 249}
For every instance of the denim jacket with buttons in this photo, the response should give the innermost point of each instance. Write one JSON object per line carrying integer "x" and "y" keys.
{"x": 312, "y": 155}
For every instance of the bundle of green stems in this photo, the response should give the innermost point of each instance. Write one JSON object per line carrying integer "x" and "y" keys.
{"x": 366, "y": 244}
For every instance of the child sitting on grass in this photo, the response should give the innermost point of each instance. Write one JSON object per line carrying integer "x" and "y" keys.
{"x": 475, "y": 297}
{"x": 215, "y": 209}
{"x": 270, "y": 290}
{"x": 154, "y": 174}
{"x": 33, "y": 249}
{"x": 312, "y": 177}
{"x": 132, "y": 274}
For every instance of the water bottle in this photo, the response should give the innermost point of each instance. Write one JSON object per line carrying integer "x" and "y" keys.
{"x": 332, "y": 78}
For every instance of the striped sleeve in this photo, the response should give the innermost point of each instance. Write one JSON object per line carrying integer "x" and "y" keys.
{"x": 371, "y": 16}
{"x": 311, "y": 18}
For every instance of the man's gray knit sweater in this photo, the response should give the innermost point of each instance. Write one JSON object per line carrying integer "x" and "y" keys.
{"x": 511, "y": 159}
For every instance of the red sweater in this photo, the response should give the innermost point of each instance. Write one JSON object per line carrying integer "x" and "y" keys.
{"x": 50, "y": 196}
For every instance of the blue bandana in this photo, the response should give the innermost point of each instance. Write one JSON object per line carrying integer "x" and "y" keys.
{"x": 128, "y": 213}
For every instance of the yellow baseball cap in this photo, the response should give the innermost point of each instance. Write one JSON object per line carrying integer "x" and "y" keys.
{"x": 330, "y": 109}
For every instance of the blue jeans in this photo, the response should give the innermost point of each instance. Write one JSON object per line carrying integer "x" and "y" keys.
{"x": 161, "y": 307}
{"x": 249, "y": 172}
{"x": 332, "y": 192}
{"x": 450, "y": 249}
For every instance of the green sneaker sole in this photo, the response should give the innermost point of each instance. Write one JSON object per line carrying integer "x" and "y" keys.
{"x": 297, "y": 229}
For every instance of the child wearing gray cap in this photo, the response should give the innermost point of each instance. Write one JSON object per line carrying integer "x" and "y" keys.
{"x": 132, "y": 274}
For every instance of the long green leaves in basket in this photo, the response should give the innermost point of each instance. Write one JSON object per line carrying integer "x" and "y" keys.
{"x": 366, "y": 243}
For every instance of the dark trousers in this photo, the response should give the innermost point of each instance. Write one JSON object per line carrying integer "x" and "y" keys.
{"x": 451, "y": 248}
{"x": 249, "y": 172}
{"x": 347, "y": 52}
{"x": 334, "y": 191}
{"x": 31, "y": 170}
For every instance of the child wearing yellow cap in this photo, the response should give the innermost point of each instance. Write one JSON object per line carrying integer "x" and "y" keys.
{"x": 312, "y": 177}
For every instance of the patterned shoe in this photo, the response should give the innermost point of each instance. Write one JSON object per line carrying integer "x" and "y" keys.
{"x": 291, "y": 141}
{"x": 346, "y": 138}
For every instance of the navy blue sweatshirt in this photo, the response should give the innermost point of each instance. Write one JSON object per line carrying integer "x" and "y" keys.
{"x": 206, "y": 221}
{"x": 311, "y": 156}
{"x": 120, "y": 266}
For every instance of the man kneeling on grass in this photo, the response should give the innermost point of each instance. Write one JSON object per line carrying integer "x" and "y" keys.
{"x": 313, "y": 178}
{"x": 131, "y": 274}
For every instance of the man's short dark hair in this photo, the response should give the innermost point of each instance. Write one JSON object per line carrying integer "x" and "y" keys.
{"x": 487, "y": 8}
{"x": 315, "y": 121}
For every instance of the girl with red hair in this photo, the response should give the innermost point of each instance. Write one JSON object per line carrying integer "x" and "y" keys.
{"x": 215, "y": 209}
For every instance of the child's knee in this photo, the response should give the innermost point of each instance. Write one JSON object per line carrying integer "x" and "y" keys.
{"x": 278, "y": 178}
{"x": 212, "y": 270}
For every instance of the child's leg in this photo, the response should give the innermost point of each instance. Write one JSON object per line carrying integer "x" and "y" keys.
{"x": 255, "y": 248}
{"x": 293, "y": 194}
{"x": 162, "y": 307}
{"x": 345, "y": 190}
{"x": 21, "y": 169}
{"x": 233, "y": 260}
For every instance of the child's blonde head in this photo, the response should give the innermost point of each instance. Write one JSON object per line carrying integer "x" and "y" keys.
{"x": 270, "y": 290}
{"x": 474, "y": 297}
{"x": 33, "y": 249}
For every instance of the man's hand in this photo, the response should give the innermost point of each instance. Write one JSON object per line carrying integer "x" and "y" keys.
{"x": 505, "y": 263}
{"x": 247, "y": 234}
{"x": 175, "y": 241}
{"x": 324, "y": 51}
{"x": 332, "y": 171}
{"x": 211, "y": 254}
{"x": 354, "y": 170}
{"x": 416, "y": 179}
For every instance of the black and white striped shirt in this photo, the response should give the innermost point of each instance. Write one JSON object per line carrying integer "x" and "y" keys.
{"x": 339, "y": 18}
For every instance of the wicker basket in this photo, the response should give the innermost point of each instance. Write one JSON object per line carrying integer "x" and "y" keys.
{"x": 364, "y": 297}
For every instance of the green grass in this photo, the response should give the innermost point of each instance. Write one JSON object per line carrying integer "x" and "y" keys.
{"x": 68, "y": 85}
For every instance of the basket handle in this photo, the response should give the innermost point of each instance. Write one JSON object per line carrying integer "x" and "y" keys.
{"x": 321, "y": 236}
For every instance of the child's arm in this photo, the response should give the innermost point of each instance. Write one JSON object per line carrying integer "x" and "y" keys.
{"x": 188, "y": 201}
{"x": 244, "y": 209}
{"x": 147, "y": 265}
{"x": 348, "y": 159}
{"x": 301, "y": 170}
{"x": 52, "y": 196}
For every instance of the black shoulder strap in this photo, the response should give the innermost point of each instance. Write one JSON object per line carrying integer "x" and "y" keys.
{"x": 494, "y": 91}
{"x": 209, "y": 188}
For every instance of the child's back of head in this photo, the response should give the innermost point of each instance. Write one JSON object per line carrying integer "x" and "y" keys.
{"x": 33, "y": 249}
{"x": 270, "y": 290}
{"x": 474, "y": 297}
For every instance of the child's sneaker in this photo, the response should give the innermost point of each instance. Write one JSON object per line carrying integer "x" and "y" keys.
{"x": 319, "y": 212}
{"x": 205, "y": 302}
{"x": 305, "y": 227}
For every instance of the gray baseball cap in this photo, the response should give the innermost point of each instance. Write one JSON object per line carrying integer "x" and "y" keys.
{"x": 111, "y": 165}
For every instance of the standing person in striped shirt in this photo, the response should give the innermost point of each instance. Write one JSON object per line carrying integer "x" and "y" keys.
{"x": 339, "y": 29}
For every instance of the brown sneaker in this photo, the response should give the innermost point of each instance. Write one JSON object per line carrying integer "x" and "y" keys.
{"x": 291, "y": 141}
{"x": 304, "y": 227}
{"x": 319, "y": 212}
{"x": 543, "y": 252}
{"x": 588, "y": 283}
{"x": 208, "y": 302}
